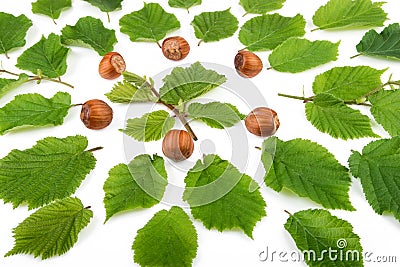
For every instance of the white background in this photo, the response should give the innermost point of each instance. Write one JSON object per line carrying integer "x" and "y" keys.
{"x": 110, "y": 244}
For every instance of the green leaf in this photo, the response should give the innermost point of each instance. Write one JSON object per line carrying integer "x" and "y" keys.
{"x": 385, "y": 44}
{"x": 185, "y": 84}
{"x": 52, "y": 169}
{"x": 150, "y": 127}
{"x": 215, "y": 114}
{"x": 168, "y": 239}
{"x": 150, "y": 24}
{"x": 349, "y": 14}
{"x": 379, "y": 173}
{"x": 219, "y": 196}
{"x": 386, "y": 110}
{"x": 47, "y": 55}
{"x": 50, "y": 8}
{"x": 332, "y": 116}
{"x": 34, "y": 110}
{"x": 317, "y": 232}
{"x": 125, "y": 92}
{"x": 140, "y": 184}
{"x": 297, "y": 55}
{"x": 261, "y": 6}
{"x": 90, "y": 33}
{"x": 287, "y": 166}
{"x": 7, "y": 85}
{"x": 214, "y": 26}
{"x": 348, "y": 83}
{"x": 12, "y": 31}
{"x": 52, "y": 230}
{"x": 268, "y": 31}
{"x": 186, "y": 4}
{"x": 106, "y": 5}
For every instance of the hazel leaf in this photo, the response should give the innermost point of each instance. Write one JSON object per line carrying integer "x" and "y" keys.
{"x": 52, "y": 169}
{"x": 7, "y": 85}
{"x": 150, "y": 127}
{"x": 47, "y": 55}
{"x": 106, "y": 5}
{"x": 268, "y": 31}
{"x": 34, "y": 110}
{"x": 219, "y": 196}
{"x": 327, "y": 183}
{"x": 214, "y": 26}
{"x": 297, "y": 55}
{"x": 140, "y": 184}
{"x": 332, "y": 116}
{"x": 261, "y": 6}
{"x": 126, "y": 92}
{"x": 386, "y": 110}
{"x": 149, "y": 24}
{"x": 186, "y": 4}
{"x": 317, "y": 231}
{"x": 50, "y": 8}
{"x": 168, "y": 239}
{"x": 13, "y": 31}
{"x": 89, "y": 32}
{"x": 51, "y": 230}
{"x": 349, "y": 14}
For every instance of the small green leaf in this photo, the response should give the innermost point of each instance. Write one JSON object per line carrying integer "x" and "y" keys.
{"x": 188, "y": 83}
{"x": 268, "y": 31}
{"x": 379, "y": 173}
{"x": 12, "y": 31}
{"x": 140, "y": 184}
{"x": 214, "y": 26}
{"x": 350, "y": 14}
{"x": 50, "y": 8}
{"x": 150, "y": 127}
{"x": 348, "y": 83}
{"x": 297, "y": 55}
{"x": 150, "y": 24}
{"x": 168, "y": 239}
{"x": 219, "y": 195}
{"x": 52, "y": 230}
{"x": 7, "y": 85}
{"x": 385, "y": 44}
{"x": 386, "y": 110}
{"x": 325, "y": 239}
{"x": 47, "y": 55}
{"x": 261, "y": 6}
{"x": 186, "y": 4}
{"x": 215, "y": 114}
{"x": 34, "y": 110}
{"x": 52, "y": 169}
{"x": 332, "y": 116}
{"x": 90, "y": 33}
{"x": 106, "y": 5}
{"x": 125, "y": 92}
{"x": 287, "y": 166}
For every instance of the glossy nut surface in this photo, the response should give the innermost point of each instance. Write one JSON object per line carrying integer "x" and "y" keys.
{"x": 247, "y": 64}
{"x": 262, "y": 121}
{"x": 175, "y": 48}
{"x": 177, "y": 145}
{"x": 112, "y": 66}
{"x": 96, "y": 114}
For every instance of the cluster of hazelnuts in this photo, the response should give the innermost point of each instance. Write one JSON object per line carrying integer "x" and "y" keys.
{"x": 178, "y": 144}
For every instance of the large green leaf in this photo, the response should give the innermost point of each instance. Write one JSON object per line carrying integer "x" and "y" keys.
{"x": 52, "y": 230}
{"x": 52, "y": 169}
{"x": 150, "y": 24}
{"x": 384, "y": 44}
{"x": 261, "y": 6}
{"x": 140, "y": 184}
{"x": 126, "y": 92}
{"x": 186, "y": 4}
{"x": 90, "y": 33}
{"x": 287, "y": 166}
{"x": 168, "y": 239}
{"x": 348, "y": 83}
{"x": 332, "y": 116}
{"x": 349, "y": 14}
{"x": 12, "y": 31}
{"x": 51, "y": 8}
{"x": 297, "y": 55}
{"x": 185, "y": 84}
{"x": 34, "y": 110}
{"x": 219, "y": 195}
{"x": 386, "y": 110}
{"x": 379, "y": 171}
{"x": 268, "y": 31}
{"x": 214, "y": 26}
{"x": 106, "y": 5}
{"x": 325, "y": 239}
{"x": 47, "y": 55}
{"x": 7, "y": 85}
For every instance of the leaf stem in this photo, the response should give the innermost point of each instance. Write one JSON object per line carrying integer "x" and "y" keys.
{"x": 297, "y": 97}
{"x": 37, "y": 78}
{"x": 95, "y": 149}
{"x": 355, "y": 56}
{"x": 288, "y": 212}
{"x": 199, "y": 43}
{"x": 159, "y": 45}
{"x": 9, "y": 72}
{"x": 258, "y": 148}
{"x": 244, "y": 15}
{"x": 108, "y": 17}
{"x": 7, "y": 56}
{"x": 54, "y": 21}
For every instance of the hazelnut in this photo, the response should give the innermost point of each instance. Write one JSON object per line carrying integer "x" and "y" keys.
{"x": 96, "y": 114}
{"x": 248, "y": 64}
{"x": 175, "y": 48}
{"x": 177, "y": 145}
{"x": 262, "y": 121}
{"x": 112, "y": 66}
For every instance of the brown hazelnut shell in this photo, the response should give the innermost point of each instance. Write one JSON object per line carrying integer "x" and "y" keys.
{"x": 177, "y": 145}
{"x": 262, "y": 121}
{"x": 112, "y": 66}
{"x": 175, "y": 48}
{"x": 248, "y": 64}
{"x": 96, "y": 114}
